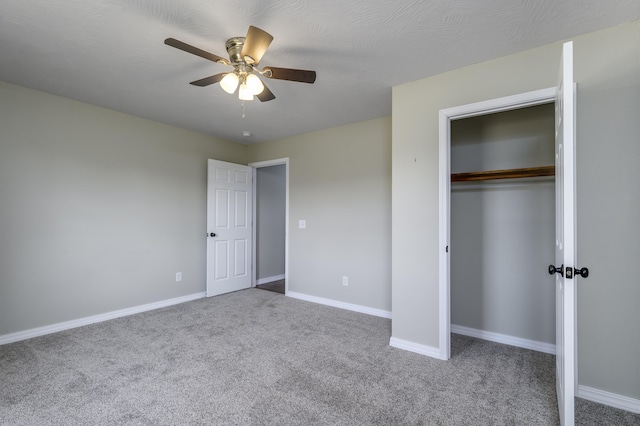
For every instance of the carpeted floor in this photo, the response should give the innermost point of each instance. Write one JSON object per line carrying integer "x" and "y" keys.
{"x": 259, "y": 358}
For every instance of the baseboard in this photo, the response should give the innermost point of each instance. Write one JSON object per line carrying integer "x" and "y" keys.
{"x": 610, "y": 399}
{"x": 269, "y": 279}
{"x": 415, "y": 347}
{"x": 341, "y": 305}
{"x": 80, "y": 322}
{"x": 505, "y": 339}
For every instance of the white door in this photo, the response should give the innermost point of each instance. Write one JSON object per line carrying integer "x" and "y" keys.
{"x": 565, "y": 238}
{"x": 229, "y": 200}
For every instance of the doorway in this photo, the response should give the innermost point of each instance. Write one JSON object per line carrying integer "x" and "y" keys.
{"x": 503, "y": 230}
{"x": 538, "y": 97}
{"x": 271, "y": 221}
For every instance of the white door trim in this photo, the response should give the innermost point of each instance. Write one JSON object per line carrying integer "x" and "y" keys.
{"x": 507, "y": 103}
{"x": 255, "y": 166}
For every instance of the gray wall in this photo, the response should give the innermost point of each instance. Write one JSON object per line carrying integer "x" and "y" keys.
{"x": 99, "y": 209}
{"x": 503, "y": 231}
{"x": 270, "y": 224}
{"x": 340, "y": 183}
{"x": 607, "y": 70}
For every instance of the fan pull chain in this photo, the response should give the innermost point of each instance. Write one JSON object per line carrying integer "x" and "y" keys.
{"x": 242, "y": 108}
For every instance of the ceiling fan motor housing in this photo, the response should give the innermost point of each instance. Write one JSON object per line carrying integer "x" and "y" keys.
{"x": 234, "y": 48}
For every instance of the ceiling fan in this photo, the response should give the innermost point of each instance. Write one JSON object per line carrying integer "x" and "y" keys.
{"x": 245, "y": 54}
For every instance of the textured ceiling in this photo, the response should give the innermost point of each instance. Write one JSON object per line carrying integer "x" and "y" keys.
{"x": 111, "y": 53}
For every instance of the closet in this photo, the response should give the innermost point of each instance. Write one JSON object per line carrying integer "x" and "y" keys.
{"x": 503, "y": 226}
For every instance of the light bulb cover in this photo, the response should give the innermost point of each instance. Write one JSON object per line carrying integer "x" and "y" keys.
{"x": 255, "y": 84}
{"x": 229, "y": 82}
{"x": 245, "y": 93}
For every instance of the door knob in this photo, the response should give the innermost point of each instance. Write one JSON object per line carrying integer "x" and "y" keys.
{"x": 584, "y": 272}
{"x": 213, "y": 234}
{"x": 553, "y": 270}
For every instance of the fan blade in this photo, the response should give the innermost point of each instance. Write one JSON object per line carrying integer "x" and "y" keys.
{"x": 266, "y": 95}
{"x": 255, "y": 44}
{"x": 195, "y": 51}
{"x": 290, "y": 74}
{"x": 209, "y": 80}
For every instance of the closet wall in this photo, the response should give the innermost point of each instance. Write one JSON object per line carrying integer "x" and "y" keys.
{"x": 503, "y": 231}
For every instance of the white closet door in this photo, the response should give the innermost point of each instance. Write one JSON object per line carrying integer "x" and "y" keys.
{"x": 565, "y": 238}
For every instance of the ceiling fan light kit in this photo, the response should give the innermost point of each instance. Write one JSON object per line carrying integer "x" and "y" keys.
{"x": 229, "y": 83}
{"x": 254, "y": 84}
{"x": 245, "y": 54}
{"x": 245, "y": 93}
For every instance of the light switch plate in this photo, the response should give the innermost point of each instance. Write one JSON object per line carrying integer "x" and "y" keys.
{"x": 302, "y": 224}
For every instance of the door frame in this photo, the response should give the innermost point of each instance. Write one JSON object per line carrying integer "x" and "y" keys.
{"x": 255, "y": 166}
{"x": 523, "y": 100}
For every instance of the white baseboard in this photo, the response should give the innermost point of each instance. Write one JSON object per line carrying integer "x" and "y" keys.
{"x": 415, "y": 347}
{"x": 505, "y": 339}
{"x": 610, "y": 399}
{"x": 80, "y": 322}
{"x": 341, "y": 305}
{"x": 269, "y": 279}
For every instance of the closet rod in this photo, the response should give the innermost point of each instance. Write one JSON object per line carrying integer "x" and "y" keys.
{"x": 504, "y": 174}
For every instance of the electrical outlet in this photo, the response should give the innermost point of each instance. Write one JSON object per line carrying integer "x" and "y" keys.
{"x": 345, "y": 280}
{"x": 178, "y": 277}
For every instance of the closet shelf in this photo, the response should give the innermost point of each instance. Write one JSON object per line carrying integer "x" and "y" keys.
{"x": 504, "y": 174}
